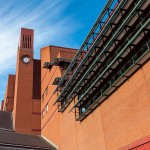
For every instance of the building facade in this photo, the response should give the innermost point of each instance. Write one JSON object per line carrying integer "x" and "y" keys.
{"x": 97, "y": 97}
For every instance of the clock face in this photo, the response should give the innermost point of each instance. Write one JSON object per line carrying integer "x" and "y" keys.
{"x": 26, "y": 59}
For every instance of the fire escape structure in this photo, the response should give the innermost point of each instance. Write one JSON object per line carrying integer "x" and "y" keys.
{"x": 116, "y": 47}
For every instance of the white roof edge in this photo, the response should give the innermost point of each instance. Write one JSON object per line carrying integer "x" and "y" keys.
{"x": 50, "y": 142}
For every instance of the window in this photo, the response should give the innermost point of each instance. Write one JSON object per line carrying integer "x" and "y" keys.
{"x": 46, "y": 108}
{"x": 47, "y": 91}
{"x": 83, "y": 109}
{"x": 42, "y": 97}
{"x": 43, "y": 114}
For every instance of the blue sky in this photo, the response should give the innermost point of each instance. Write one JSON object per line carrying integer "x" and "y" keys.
{"x": 56, "y": 22}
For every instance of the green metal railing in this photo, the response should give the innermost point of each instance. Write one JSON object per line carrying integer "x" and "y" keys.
{"x": 102, "y": 16}
{"x": 107, "y": 77}
{"x": 113, "y": 61}
{"x": 115, "y": 53}
{"x": 106, "y": 47}
{"x": 102, "y": 94}
{"x": 92, "y": 49}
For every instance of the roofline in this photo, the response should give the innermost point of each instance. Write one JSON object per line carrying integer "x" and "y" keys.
{"x": 6, "y": 111}
{"x": 26, "y": 28}
{"x": 37, "y": 59}
{"x": 23, "y": 146}
{"x": 12, "y": 74}
{"x": 50, "y": 142}
{"x": 75, "y": 49}
{"x": 3, "y": 129}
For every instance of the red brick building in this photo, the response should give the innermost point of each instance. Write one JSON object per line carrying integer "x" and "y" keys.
{"x": 95, "y": 98}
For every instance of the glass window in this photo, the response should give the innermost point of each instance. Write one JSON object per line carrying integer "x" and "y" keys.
{"x": 43, "y": 114}
{"x": 42, "y": 97}
{"x": 47, "y": 91}
{"x": 47, "y": 108}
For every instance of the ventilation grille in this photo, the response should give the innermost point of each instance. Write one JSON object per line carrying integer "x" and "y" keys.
{"x": 27, "y": 42}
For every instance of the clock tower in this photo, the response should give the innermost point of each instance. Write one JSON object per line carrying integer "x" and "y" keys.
{"x": 22, "y": 112}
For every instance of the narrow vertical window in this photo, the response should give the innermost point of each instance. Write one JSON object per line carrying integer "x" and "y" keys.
{"x": 46, "y": 90}
{"x": 42, "y": 97}
{"x": 23, "y": 42}
{"x": 43, "y": 114}
{"x": 46, "y": 108}
{"x": 30, "y": 38}
{"x": 29, "y": 41}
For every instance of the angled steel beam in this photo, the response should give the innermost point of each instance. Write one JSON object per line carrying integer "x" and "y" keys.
{"x": 96, "y": 44}
{"x": 131, "y": 40}
{"x": 102, "y": 15}
{"x": 118, "y": 31}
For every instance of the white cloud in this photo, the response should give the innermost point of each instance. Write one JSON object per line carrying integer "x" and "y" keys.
{"x": 46, "y": 17}
{"x": 43, "y": 18}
